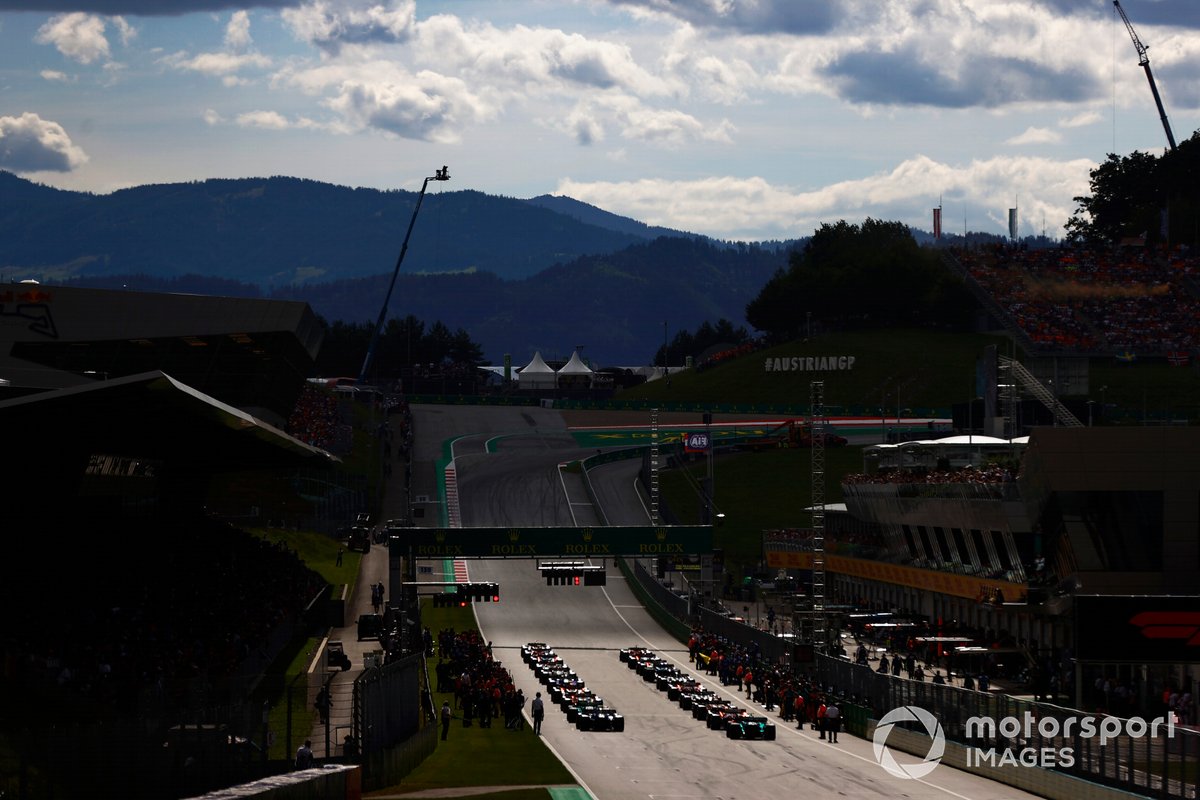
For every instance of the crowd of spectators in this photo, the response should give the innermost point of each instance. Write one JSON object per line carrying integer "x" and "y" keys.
{"x": 989, "y": 473}
{"x": 733, "y": 352}
{"x": 855, "y": 543}
{"x": 1085, "y": 301}
{"x": 483, "y": 688}
{"x": 195, "y": 602}
{"x": 316, "y": 418}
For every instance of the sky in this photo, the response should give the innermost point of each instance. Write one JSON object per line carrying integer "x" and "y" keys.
{"x": 740, "y": 119}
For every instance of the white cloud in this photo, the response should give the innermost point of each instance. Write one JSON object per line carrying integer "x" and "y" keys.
{"x": 1080, "y": 120}
{"x": 1033, "y": 135}
{"x": 424, "y": 106}
{"x": 271, "y": 120}
{"x": 55, "y": 75}
{"x": 211, "y": 117}
{"x": 671, "y": 127}
{"x": 77, "y": 36}
{"x": 332, "y": 25}
{"x": 588, "y": 121}
{"x": 219, "y": 63}
{"x": 237, "y": 32}
{"x": 126, "y": 31}
{"x": 29, "y": 143}
{"x": 535, "y": 60}
{"x": 730, "y": 206}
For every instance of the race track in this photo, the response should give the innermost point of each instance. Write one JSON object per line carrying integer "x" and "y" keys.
{"x": 663, "y": 753}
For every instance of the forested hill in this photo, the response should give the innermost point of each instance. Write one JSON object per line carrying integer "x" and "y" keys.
{"x": 615, "y": 304}
{"x": 545, "y": 274}
{"x": 277, "y": 231}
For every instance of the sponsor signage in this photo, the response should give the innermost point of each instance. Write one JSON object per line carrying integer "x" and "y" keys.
{"x": 809, "y": 364}
{"x": 697, "y": 442}
{"x": 933, "y": 580}
{"x": 598, "y": 542}
{"x": 1137, "y": 628}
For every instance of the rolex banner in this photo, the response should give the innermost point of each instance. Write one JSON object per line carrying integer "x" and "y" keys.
{"x": 597, "y": 542}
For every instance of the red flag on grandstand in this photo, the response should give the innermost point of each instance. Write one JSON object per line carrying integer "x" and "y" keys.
{"x": 1178, "y": 359}
{"x": 937, "y": 222}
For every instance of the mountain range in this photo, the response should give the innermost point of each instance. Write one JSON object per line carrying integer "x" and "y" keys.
{"x": 547, "y": 273}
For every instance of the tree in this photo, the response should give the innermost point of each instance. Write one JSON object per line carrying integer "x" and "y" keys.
{"x": 403, "y": 344}
{"x": 853, "y": 276}
{"x": 707, "y": 336}
{"x": 1135, "y": 195}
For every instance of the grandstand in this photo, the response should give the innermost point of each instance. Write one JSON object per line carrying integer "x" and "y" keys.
{"x": 1089, "y": 303}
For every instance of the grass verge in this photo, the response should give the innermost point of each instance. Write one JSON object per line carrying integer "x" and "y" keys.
{"x": 477, "y": 756}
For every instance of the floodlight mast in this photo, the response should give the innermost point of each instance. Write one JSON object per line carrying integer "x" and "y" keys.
{"x": 1144, "y": 62}
{"x": 442, "y": 174}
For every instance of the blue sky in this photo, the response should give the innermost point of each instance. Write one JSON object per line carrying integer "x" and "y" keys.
{"x": 740, "y": 119}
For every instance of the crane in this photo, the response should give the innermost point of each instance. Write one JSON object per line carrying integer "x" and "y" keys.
{"x": 1144, "y": 62}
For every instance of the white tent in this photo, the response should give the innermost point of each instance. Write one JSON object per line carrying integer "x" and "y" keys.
{"x": 537, "y": 374}
{"x": 575, "y": 372}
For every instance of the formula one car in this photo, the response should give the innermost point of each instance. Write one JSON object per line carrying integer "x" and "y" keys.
{"x": 718, "y": 716}
{"x": 582, "y": 696}
{"x": 527, "y": 651}
{"x": 749, "y": 727}
{"x": 600, "y": 719}
{"x": 545, "y": 670}
{"x": 559, "y": 686}
{"x": 647, "y": 667}
{"x": 632, "y": 652}
{"x": 676, "y": 689}
{"x": 689, "y": 699}
{"x": 665, "y": 677}
{"x": 701, "y": 710}
{"x": 584, "y": 702}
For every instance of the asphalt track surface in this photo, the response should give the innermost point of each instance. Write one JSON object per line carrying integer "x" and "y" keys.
{"x": 663, "y": 752}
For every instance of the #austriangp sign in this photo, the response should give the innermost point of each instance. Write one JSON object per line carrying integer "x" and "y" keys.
{"x": 553, "y": 542}
{"x": 1137, "y": 628}
{"x": 809, "y": 364}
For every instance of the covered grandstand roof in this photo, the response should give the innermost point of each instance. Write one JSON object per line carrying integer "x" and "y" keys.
{"x": 249, "y": 353}
{"x": 53, "y": 439}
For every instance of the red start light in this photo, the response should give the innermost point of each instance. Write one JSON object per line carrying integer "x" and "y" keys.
{"x": 576, "y": 580}
{"x": 496, "y": 598}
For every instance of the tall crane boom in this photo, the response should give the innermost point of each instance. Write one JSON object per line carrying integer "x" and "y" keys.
{"x": 1144, "y": 63}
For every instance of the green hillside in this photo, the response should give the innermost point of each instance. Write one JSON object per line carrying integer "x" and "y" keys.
{"x": 930, "y": 370}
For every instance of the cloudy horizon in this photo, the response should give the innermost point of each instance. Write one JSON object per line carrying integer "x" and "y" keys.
{"x": 738, "y": 119}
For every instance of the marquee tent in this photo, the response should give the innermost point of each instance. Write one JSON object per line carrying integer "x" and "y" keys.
{"x": 575, "y": 372}
{"x": 537, "y": 374}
